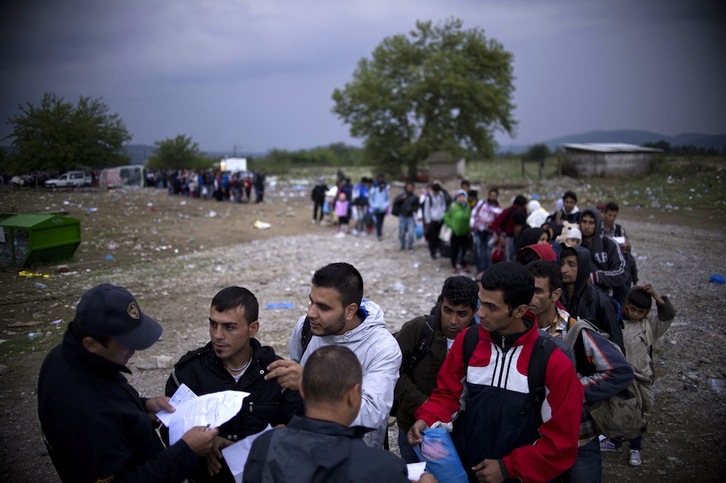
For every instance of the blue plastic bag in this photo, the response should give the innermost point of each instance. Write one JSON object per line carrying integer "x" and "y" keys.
{"x": 419, "y": 231}
{"x": 438, "y": 451}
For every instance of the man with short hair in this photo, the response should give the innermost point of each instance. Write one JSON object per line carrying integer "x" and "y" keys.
{"x": 607, "y": 270}
{"x": 424, "y": 343}
{"x": 501, "y": 431}
{"x": 568, "y": 211}
{"x": 602, "y": 369}
{"x": 95, "y": 425}
{"x": 406, "y": 204}
{"x": 324, "y": 445}
{"x": 339, "y": 315}
{"x": 609, "y": 227}
{"x": 434, "y": 205}
{"x": 234, "y": 360}
{"x": 586, "y": 301}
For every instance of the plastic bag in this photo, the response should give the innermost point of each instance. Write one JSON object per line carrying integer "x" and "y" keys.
{"x": 438, "y": 451}
{"x": 419, "y": 231}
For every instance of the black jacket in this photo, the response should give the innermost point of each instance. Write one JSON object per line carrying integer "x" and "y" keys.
{"x": 590, "y": 303}
{"x": 314, "y": 451}
{"x": 268, "y": 402}
{"x": 95, "y": 424}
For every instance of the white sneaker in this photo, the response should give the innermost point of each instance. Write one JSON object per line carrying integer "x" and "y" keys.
{"x": 355, "y": 232}
{"x": 340, "y": 234}
{"x": 635, "y": 459}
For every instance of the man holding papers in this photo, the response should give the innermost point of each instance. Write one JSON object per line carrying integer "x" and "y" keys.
{"x": 235, "y": 360}
{"x": 95, "y": 425}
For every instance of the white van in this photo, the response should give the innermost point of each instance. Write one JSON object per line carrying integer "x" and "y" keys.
{"x": 71, "y": 178}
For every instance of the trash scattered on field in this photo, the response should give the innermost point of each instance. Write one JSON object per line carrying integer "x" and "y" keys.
{"x": 26, "y": 273}
{"x": 41, "y": 286}
{"x": 717, "y": 278}
{"x": 261, "y": 225}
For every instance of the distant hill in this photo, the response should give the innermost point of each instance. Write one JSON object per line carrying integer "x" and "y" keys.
{"x": 717, "y": 141}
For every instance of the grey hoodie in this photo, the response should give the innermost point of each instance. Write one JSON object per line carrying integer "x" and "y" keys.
{"x": 380, "y": 356}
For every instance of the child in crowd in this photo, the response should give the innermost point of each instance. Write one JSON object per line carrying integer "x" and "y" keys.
{"x": 639, "y": 334}
{"x": 574, "y": 237}
{"x": 341, "y": 211}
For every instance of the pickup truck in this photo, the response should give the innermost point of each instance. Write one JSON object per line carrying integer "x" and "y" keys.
{"x": 74, "y": 179}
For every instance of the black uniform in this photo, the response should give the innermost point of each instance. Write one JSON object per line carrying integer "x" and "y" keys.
{"x": 95, "y": 424}
{"x": 268, "y": 403}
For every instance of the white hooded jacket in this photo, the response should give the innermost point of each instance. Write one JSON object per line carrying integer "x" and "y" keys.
{"x": 380, "y": 357}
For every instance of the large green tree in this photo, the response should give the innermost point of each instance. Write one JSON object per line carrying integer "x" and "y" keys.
{"x": 439, "y": 88}
{"x": 180, "y": 152}
{"x": 57, "y": 135}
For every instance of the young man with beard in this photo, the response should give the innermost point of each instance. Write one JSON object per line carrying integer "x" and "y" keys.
{"x": 339, "y": 315}
{"x": 234, "y": 360}
{"x": 602, "y": 369}
{"x": 424, "y": 343}
{"x": 501, "y": 431}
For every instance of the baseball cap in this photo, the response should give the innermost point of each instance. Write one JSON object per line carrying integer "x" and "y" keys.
{"x": 111, "y": 310}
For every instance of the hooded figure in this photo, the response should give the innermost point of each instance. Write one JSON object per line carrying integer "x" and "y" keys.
{"x": 608, "y": 269}
{"x": 587, "y": 301}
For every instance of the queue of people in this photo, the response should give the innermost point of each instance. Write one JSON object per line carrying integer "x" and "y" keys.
{"x": 472, "y": 364}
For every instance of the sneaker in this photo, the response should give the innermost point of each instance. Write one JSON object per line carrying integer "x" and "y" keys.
{"x": 355, "y": 232}
{"x": 608, "y": 446}
{"x": 634, "y": 457}
{"x": 340, "y": 234}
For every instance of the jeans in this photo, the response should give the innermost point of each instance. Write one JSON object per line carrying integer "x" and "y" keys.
{"x": 379, "y": 223}
{"x": 406, "y": 231}
{"x": 587, "y": 467}
{"x": 432, "y": 237}
{"x": 483, "y": 250}
{"x": 407, "y": 453}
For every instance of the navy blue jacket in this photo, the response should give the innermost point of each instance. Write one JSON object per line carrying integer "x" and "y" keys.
{"x": 95, "y": 424}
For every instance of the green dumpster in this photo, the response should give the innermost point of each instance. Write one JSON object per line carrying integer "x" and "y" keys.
{"x": 30, "y": 238}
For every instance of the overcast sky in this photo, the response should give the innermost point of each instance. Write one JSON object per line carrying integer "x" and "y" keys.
{"x": 259, "y": 74}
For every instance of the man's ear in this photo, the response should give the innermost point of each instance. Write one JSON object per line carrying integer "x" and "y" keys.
{"x": 556, "y": 294}
{"x": 354, "y": 396}
{"x": 350, "y": 311}
{"x": 253, "y": 328}
{"x": 519, "y": 311}
{"x": 90, "y": 344}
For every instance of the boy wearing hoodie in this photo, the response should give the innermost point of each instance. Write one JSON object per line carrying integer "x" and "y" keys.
{"x": 641, "y": 330}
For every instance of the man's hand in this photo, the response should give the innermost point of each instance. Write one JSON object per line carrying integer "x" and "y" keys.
{"x": 427, "y": 478}
{"x": 214, "y": 457}
{"x": 200, "y": 439}
{"x": 414, "y": 434}
{"x": 288, "y": 373}
{"x": 489, "y": 471}
{"x": 156, "y": 404}
{"x": 651, "y": 291}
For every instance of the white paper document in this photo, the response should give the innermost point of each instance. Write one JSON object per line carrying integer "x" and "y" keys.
{"x": 236, "y": 454}
{"x": 211, "y": 409}
{"x": 182, "y": 395}
{"x": 415, "y": 470}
